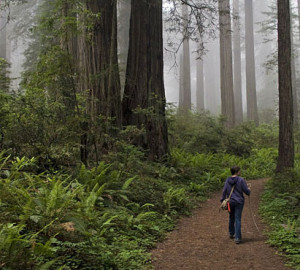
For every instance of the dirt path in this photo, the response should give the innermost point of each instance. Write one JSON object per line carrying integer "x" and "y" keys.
{"x": 201, "y": 242}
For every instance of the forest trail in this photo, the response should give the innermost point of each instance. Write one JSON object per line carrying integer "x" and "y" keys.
{"x": 201, "y": 241}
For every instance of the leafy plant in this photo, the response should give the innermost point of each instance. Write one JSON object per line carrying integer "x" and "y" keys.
{"x": 280, "y": 208}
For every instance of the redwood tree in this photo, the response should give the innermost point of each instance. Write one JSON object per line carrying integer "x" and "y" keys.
{"x": 252, "y": 113}
{"x": 3, "y": 22}
{"x": 286, "y": 138}
{"x": 238, "y": 101}
{"x": 99, "y": 72}
{"x": 144, "y": 96}
{"x": 100, "y": 59}
{"x": 227, "y": 98}
{"x": 200, "y": 86}
{"x": 294, "y": 73}
{"x": 124, "y": 8}
{"x": 186, "y": 71}
{"x": 180, "y": 95}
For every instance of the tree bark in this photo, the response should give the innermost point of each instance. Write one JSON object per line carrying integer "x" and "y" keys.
{"x": 237, "y": 86}
{"x": 200, "y": 87}
{"x": 252, "y": 113}
{"x": 3, "y": 22}
{"x": 144, "y": 96}
{"x": 69, "y": 43}
{"x": 99, "y": 72}
{"x": 100, "y": 61}
{"x": 294, "y": 76}
{"x": 294, "y": 81}
{"x": 124, "y": 8}
{"x": 187, "y": 102}
{"x": 180, "y": 97}
{"x": 212, "y": 78}
{"x": 227, "y": 98}
{"x": 286, "y": 138}
{"x": 299, "y": 14}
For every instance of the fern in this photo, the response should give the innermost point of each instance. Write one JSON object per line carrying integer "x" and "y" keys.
{"x": 3, "y": 160}
{"x": 47, "y": 265}
{"x": 90, "y": 201}
{"x": 146, "y": 216}
{"x": 128, "y": 182}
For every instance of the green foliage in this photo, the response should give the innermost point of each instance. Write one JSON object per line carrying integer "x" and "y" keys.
{"x": 195, "y": 133}
{"x": 4, "y": 78}
{"x": 110, "y": 215}
{"x": 203, "y": 133}
{"x": 266, "y": 135}
{"x": 41, "y": 127}
{"x": 105, "y": 217}
{"x": 83, "y": 223}
{"x": 176, "y": 199}
{"x": 240, "y": 140}
{"x": 280, "y": 207}
{"x": 260, "y": 163}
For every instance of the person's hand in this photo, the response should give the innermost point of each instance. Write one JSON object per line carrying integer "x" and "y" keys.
{"x": 249, "y": 185}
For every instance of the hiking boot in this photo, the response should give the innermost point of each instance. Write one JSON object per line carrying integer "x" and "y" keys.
{"x": 231, "y": 236}
{"x": 237, "y": 241}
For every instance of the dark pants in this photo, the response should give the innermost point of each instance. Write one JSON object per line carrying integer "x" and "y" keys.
{"x": 235, "y": 217}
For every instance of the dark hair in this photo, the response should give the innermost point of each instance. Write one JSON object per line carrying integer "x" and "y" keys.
{"x": 235, "y": 169}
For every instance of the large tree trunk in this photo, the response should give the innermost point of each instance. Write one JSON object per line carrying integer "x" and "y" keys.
{"x": 299, "y": 13}
{"x": 294, "y": 82}
{"x": 69, "y": 43}
{"x": 180, "y": 96}
{"x": 100, "y": 61}
{"x": 187, "y": 102}
{"x": 252, "y": 113}
{"x": 286, "y": 139}
{"x": 200, "y": 86}
{"x": 144, "y": 96}
{"x": 124, "y": 8}
{"x": 237, "y": 86}
{"x": 294, "y": 76}
{"x": 98, "y": 67}
{"x": 212, "y": 78}
{"x": 227, "y": 97}
{"x": 3, "y": 22}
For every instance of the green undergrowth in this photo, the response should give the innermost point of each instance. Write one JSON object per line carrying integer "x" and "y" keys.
{"x": 110, "y": 215}
{"x": 107, "y": 217}
{"x": 280, "y": 208}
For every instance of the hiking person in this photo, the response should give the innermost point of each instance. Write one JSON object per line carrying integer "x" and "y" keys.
{"x": 236, "y": 202}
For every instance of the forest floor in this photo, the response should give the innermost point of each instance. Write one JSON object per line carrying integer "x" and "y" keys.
{"x": 201, "y": 241}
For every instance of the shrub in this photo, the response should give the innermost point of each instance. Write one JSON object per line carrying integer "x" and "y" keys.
{"x": 280, "y": 207}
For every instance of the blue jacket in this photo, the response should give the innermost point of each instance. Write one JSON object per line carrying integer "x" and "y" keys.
{"x": 240, "y": 188}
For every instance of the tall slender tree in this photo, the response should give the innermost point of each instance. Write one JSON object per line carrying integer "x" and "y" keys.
{"x": 294, "y": 79}
{"x": 186, "y": 79}
{"x": 286, "y": 136}
{"x": 3, "y": 23}
{"x": 180, "y": 96}
{"x": 252, "y": 113}
{"x": 227, "y": 97}
{"x": 200, "y": 86}
{"x": 294, "y": 72}
{"x": 237, "y": 86}
{"x": 144, "y": 96}
{"x": 124, "y": 8}
{"x": 212, "y": 78}
{"x": 299, "y": 13}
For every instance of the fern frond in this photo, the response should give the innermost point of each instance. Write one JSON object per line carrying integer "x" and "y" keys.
{"x": 128, "y": 182}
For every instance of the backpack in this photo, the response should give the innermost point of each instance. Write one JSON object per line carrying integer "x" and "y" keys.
{"x": 225, "y": 204}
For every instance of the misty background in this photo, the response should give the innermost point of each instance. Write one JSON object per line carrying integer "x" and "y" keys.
{"x": 18, "y": 32}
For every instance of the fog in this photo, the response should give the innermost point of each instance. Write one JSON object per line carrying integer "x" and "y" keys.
{"x": 16, "y": 32}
